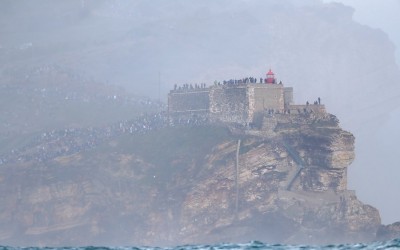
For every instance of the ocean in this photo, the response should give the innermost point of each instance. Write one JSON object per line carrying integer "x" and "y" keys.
{"x": 255, "y": 245}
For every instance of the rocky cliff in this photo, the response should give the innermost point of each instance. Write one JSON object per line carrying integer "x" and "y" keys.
{"x": 285, "y": 182}
{"x": 291, "y": 187}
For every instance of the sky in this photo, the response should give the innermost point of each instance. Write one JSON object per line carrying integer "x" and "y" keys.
{"x": 381, "y": 14}
{"x": 379, "y": 186}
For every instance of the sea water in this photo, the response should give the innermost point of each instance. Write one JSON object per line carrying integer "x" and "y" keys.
{"x": 255, "y": 245}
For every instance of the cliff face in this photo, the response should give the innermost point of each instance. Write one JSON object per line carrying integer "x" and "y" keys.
{"x": 283, "y": 183}
{"x": 291, "y": 187}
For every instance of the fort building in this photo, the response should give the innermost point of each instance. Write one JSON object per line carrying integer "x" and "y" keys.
{"x": 237, "y": 101}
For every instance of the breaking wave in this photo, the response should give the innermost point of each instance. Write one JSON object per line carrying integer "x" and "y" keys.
{"x": 256, "y": 245}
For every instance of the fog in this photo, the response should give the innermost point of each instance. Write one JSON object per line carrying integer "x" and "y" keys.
{"x": 345, "y": 53}
{"x": 379, "y": 173}
{"x": 380, "y": 15}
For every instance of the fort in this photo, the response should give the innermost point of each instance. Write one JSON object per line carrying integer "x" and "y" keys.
{"x": 241, "y": 101}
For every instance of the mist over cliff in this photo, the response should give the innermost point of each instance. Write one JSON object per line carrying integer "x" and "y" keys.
{"x": 148, "y": 46}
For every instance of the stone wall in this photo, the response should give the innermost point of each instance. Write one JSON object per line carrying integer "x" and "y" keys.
{"x": 233, "y": 103}
{"x": 288, "y": 96}
{"x": 311, "y": 108}
{"x": 267, "y": 96}
{"x": 229, "y": 104}
{"x": 189, "y": 101}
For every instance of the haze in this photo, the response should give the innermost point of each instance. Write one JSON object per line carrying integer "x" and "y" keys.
{"x": 380, "y": 15}
{"x": 148, "y": 46}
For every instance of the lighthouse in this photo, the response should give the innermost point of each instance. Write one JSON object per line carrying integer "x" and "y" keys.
{"x": 270, "y": 77}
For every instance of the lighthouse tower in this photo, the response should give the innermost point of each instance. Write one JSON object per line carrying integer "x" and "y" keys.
{"x": 270, "y": 77}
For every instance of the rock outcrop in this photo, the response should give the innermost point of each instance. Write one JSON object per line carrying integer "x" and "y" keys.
{"x": 291, "y": 187}
{"x": 391, "y": 231}
{"x": 285, "y": 182}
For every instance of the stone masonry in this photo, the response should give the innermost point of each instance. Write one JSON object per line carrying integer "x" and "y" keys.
{"x": 237, "y": 102}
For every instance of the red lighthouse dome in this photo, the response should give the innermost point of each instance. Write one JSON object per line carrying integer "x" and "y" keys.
{"x": 270, "y": 77}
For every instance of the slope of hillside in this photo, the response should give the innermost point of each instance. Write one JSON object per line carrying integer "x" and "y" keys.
{"x": 177, "y": 185}
{"x": 42, "y": 100}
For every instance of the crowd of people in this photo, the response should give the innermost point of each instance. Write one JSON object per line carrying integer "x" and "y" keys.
{"x": 189, "y": 87}
{"x": 232, "y": 82}
{"x": 56, "y": 143}
{"x": 240, "y": 81}
{"x": 316, "y": 102}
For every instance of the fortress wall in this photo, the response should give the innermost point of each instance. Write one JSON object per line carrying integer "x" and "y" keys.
{"x": 268, "y": 96}
{"x": 288, "y": 96}
{"x": 237, "y": 103}
{"x": 189, "y": 101}
{"x": 229, "y": 104}
{"x": 252, "y": 103}
{"x": 296, "y": 109}
{"x": 269, "y": 124}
